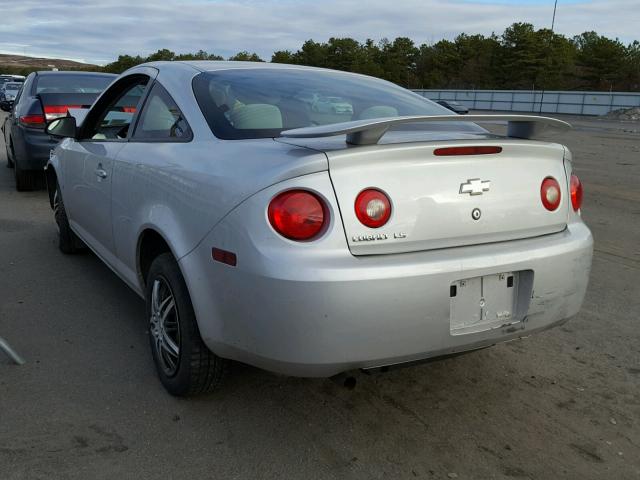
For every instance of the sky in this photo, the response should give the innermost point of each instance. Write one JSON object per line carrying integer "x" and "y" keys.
{"x": 97, "y": 31}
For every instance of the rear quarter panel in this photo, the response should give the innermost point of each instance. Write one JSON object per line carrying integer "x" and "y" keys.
{"x": 182, "y": 190}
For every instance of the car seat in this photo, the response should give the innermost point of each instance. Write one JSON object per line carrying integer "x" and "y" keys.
{"x": 256, "y": 116}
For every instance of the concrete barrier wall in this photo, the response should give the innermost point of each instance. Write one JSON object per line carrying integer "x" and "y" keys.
{"x": 576, "y": 103}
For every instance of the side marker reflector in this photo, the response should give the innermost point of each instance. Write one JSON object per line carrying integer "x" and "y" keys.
{"x": 224, "y": 256}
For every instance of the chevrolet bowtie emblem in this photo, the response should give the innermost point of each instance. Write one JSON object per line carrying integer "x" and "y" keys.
{"x": 475, "y": 186}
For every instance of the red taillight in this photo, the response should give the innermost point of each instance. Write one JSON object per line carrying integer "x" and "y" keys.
{"x": 32, "y": 120}
{"x": 479, "y": 150}
{"x": 550, "y": 193}
{"x": 576, "y": 192}
{"x": 129, "y": 109}
{"x": 57, "y": 111}
{"x": 373, "y": 208}
{"x": 298, "y": 214}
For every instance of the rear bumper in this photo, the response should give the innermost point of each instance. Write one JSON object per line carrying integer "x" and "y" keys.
{"x": 32, "y": 147}
{"x": 340, "y": 312}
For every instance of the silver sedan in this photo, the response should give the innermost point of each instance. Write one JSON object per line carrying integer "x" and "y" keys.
{"x": 305, "y": 242}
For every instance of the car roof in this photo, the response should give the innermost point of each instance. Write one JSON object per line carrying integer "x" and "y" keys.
{"x": 74, "y": 72}
{"x": 219, "y": 65}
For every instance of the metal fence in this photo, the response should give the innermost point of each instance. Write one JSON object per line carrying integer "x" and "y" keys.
{"x": 576, "y": 103}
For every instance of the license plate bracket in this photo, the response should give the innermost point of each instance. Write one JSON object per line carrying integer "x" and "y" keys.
{"x": 483, "y": 303}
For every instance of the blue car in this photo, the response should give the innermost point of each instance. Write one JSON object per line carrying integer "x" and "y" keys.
{"x": 43, "y": 97}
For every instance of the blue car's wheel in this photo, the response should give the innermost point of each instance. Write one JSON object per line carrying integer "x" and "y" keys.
{"x": 26, "y": 180}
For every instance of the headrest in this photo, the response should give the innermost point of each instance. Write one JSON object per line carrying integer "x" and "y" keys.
{"x": 378, "y": 111}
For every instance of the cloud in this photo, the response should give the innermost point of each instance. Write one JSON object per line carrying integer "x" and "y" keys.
{"x": 99, "y": 31}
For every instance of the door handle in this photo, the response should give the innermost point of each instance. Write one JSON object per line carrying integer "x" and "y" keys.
{"x": 101, "y": 173}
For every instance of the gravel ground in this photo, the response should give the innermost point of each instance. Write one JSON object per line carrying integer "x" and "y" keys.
{"x": 87, "y": 405}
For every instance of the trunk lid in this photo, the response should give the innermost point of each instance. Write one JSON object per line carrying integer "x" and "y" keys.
{"x": 431, "y": 196}
{"x": 56, "y": 105}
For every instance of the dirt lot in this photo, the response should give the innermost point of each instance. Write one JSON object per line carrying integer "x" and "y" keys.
{"x": 87, "y": 405}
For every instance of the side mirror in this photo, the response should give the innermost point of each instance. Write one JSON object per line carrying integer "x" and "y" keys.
{"x": 6, "y": 106}
{"x": 64, "y": 127}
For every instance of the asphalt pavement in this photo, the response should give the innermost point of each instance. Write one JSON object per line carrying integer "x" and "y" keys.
{"x": 87, "y": 404}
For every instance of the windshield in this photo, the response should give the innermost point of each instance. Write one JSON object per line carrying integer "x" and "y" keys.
{"x": 72, "y": 83}
{"x": 260, "y": 103}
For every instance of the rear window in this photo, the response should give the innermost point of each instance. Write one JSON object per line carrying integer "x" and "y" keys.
{"x": 12, "y": 86}
{"x": 261, "y": 103}
{"x": 71, "y": 83}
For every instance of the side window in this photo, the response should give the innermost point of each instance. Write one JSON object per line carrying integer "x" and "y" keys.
{"x": 113, "y": 122}
{"x": 18, "y": 95}
{"x": 161, "y": 119}
{"x": 25, "y": 85}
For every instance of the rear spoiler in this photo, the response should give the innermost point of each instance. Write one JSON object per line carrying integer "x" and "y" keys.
{"x": 369, "y": 132}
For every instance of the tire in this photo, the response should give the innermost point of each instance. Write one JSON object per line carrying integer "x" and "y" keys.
{"x": 26, "y": 180}
{"x": 68, "y": 242}
{"x": 183, "y": 362}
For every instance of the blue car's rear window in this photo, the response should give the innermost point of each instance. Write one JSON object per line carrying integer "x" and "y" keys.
{"x": 262, "y": 102}
{"x": 70, "y": 83}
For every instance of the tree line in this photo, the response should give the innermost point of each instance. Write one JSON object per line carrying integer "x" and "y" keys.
{"x": 521, "y": 58}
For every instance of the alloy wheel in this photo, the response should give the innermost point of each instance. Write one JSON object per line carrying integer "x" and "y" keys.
{"x": 165, "y": 326}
